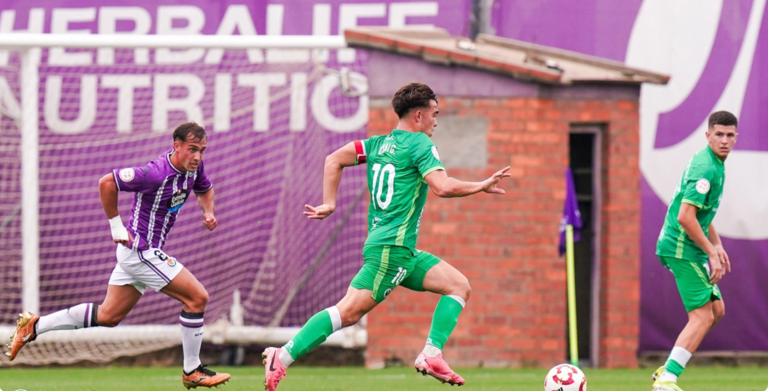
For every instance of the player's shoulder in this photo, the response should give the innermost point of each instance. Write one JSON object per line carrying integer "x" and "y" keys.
{"x": 377, "y": 139}
{"x": 160, "y": 168}
{"x": 701, "y": 164}
{"x": 703, "y": 157}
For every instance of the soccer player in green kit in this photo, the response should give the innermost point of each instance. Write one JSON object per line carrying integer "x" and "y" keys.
{"x": 402, "y": 167}
{"x": 688, "y": 241}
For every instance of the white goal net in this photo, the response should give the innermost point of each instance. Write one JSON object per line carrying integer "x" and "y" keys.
{"x": 272, "y": 115}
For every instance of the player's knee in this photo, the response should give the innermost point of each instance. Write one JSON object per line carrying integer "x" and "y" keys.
{"x": 348, "y": 318}
{"x": 705, "y": 318}
{"x": 350, "y": 314}
{"x": 718, "y": 312}
{"x": 462, "y": 288}
{"x": 109, "y": 320}
{"x": 198, "y": 301}
{"x": 718, "y": 317}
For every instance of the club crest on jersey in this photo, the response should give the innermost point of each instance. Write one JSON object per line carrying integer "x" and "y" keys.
{"x": 127, "y": 174}
{"x": 434, "y": 153}
{"x": 702, "y": 186}
{"x": 178, "y": 199}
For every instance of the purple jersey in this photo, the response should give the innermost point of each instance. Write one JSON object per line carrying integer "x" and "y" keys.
{"x": 161, "y": 190}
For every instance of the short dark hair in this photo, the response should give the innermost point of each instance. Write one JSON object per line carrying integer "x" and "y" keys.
{"x": 182, "y": 132}
{"x": 411, "y": 96}
{"x": 722, "y": 118}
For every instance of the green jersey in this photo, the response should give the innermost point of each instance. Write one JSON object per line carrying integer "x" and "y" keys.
{"x": 397, "y": 165}
{"x": 702, "y": 187}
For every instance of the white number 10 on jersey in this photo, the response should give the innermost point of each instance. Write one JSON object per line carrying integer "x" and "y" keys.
{"x": 378, "y": 184}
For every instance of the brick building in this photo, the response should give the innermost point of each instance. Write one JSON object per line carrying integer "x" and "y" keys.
{"x": 538, "y": 110}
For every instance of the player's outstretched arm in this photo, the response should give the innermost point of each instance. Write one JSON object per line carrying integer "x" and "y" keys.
{"x": 334, "y": 164}
{"x": 446, "y": 187}
{"x": 108, "y": 195}
{"x": 687, "y": 219}
{"x": 205, "y": 200}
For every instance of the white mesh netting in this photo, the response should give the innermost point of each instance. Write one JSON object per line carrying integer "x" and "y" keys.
{"x": 271, "y": 121}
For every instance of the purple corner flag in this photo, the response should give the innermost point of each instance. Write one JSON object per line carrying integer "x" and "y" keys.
{"x": 571, "y": 214}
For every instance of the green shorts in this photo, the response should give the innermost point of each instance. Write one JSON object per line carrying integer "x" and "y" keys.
{"x": 692, "y": 282}
{"x": 386, "y": 267}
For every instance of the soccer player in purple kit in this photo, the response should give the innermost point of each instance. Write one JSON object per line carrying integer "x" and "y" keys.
{"x": 161, "y": 188}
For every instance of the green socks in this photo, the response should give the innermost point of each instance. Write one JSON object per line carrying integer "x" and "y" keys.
{"x": 676, "y": 363}
{"x": 315, "y": 331}
{"x": 445, "y": 319}
{"x": 324, "y": 323}
{"x": 674, "y": 367}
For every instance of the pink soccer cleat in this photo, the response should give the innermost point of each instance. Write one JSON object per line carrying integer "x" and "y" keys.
{"x": 437, "y": 368}
{"x": 274, "y": 370}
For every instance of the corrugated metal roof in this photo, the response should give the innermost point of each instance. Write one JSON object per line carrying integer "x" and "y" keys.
{"x": 521, "y": 60}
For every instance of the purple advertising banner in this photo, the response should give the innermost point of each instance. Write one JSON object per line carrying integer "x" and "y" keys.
{"x": 272, "y": 116}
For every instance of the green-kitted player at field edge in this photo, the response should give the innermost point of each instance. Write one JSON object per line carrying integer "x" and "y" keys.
{"x": 402, "y": 167}
{"x": 690, "y": 247}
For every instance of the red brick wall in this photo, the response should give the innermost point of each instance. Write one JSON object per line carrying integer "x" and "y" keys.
{"x": 506, "y": 245}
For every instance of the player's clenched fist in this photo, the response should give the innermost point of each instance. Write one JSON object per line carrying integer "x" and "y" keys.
{"x": 209, "y": 221}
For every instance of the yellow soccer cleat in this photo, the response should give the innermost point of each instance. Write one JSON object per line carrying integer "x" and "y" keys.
{"x": 657, "y": 375}
{"x": 665, "y": 386}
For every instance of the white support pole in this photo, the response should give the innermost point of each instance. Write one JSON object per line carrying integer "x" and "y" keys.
{"x": 30, "y": 186}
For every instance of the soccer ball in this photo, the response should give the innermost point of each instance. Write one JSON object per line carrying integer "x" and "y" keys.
{"x": 565, "y": 377}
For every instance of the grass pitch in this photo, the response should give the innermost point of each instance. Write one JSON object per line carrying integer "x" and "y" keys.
{"x": 348, "y": 379}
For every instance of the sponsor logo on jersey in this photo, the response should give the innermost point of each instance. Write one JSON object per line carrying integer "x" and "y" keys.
{"x": 178, "y": 199}
{"x": 127, "y": 174}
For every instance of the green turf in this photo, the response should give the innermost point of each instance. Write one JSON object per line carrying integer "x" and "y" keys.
{"x": 343, "y": 379}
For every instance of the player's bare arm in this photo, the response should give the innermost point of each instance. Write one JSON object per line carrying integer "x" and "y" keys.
{"x": 687, "y": 219}
{"x": 108, "y": 195}
{"x": 447, "y": 187}
{"x": 715, "y": 239}
{"x": 334, "y": 164}
{"x": 205, "y": 200}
